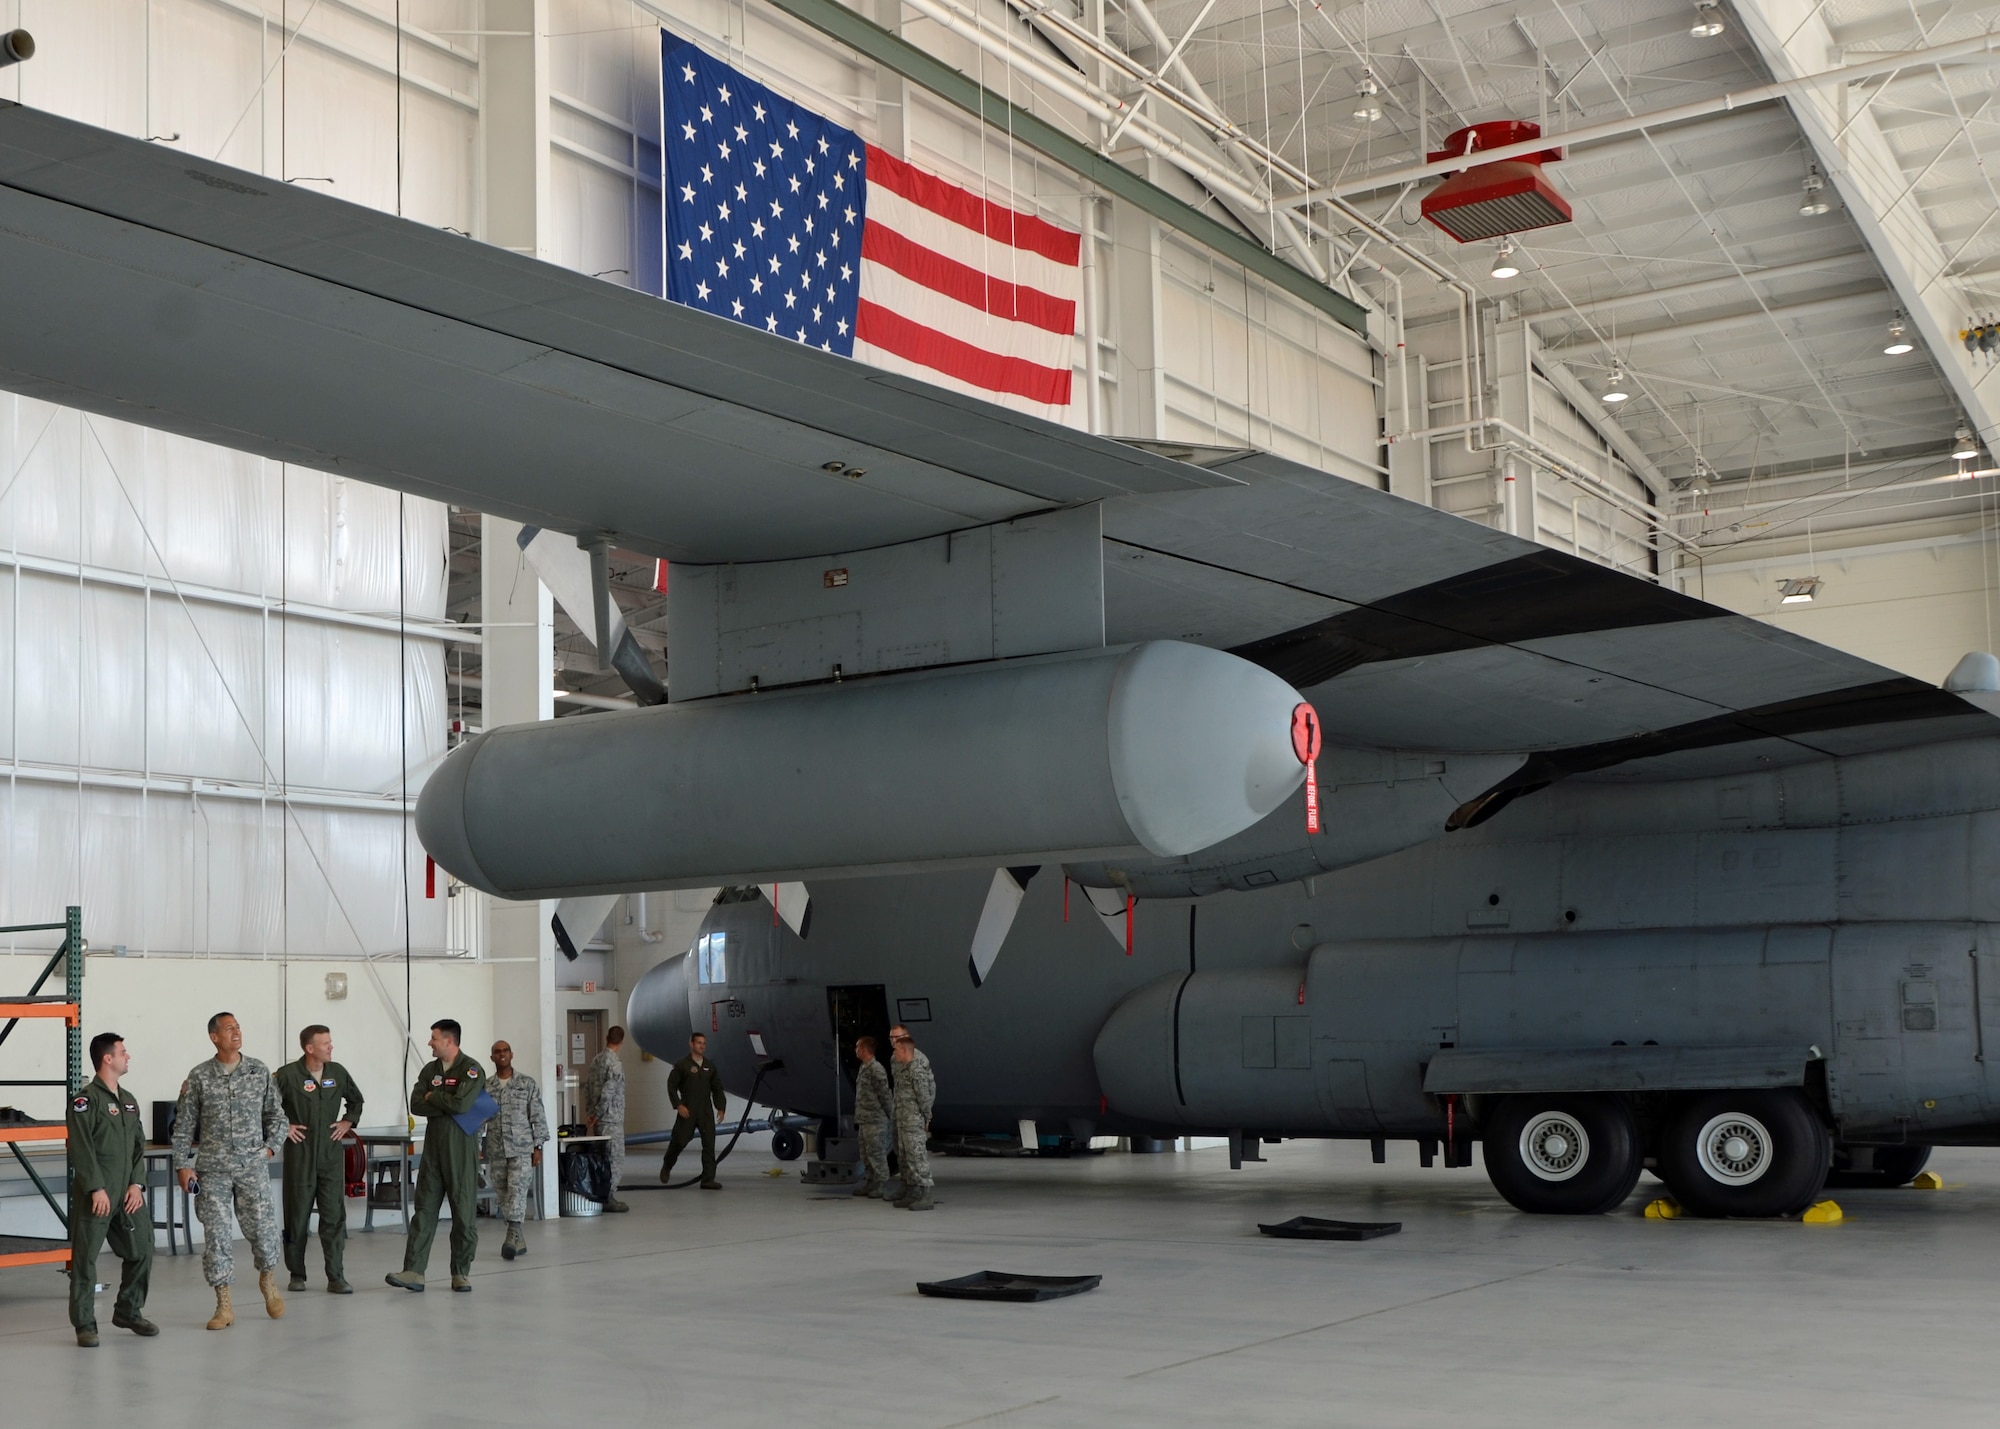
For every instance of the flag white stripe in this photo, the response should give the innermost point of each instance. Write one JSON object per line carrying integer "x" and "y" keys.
{"x": 887, "y": 288}
{"x": 1021, "y": 266}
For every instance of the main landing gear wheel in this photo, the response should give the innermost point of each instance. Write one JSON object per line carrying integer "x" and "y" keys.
{"x": 1759, "y": 1153}
{"x": 787, "y": 1143}
{"x": 1575, "y": 1154}
{"x": 1879, "y": 1168}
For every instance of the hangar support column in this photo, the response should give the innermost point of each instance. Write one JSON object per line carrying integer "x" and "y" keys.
{"x": 518, "y": 655}
{"x": 517, "y": 685}
{"x": 1134, "y": 294}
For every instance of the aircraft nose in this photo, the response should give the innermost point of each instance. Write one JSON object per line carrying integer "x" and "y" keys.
{"x": 657, "y": 1012}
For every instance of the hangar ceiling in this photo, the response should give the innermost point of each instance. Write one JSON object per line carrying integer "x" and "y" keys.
{"x": 1752, "y": 333}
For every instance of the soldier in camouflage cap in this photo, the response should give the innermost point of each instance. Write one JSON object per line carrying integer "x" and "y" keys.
{"x": 513, "y": 1144}
{"x": 874, "y": 1109}
{"x": 916, "y": 1093}
{"x": 227, "y": 1127}
{"x": 604, "y": 1108}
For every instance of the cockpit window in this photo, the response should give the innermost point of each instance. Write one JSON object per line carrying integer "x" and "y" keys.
{"x": 711, "y": 965}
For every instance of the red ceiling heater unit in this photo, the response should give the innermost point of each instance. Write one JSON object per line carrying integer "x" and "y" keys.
{"x": 1488, "y": 200}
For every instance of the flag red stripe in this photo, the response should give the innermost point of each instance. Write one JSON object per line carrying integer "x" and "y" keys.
{"x": 1018, "y": 230}
{"x": 930, "y": 348}
{"x": 966, "y": 284}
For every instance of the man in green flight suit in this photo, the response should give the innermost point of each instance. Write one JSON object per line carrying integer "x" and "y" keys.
{"x": 695, "y": 1089}
{"x": 322, "y": 1105}
{"x": 446, "y": 1089}
{"x": 107, "y": 1200}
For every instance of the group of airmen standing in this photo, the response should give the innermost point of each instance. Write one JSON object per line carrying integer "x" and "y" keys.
{"x": 234, "y": 1114}
{"x": 903, "y": 1102}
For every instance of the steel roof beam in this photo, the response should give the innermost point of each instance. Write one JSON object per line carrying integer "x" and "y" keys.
{"x": 1793, "y": 38}
{"x": 1705, "y": 287}
{"x": 1799, "y": 82}
{"x": 1749, "y": 318}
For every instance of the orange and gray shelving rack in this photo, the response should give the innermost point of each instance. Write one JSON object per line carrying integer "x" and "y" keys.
{"x": 34, "y": 1006}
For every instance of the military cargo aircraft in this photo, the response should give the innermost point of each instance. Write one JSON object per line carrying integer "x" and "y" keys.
{"x": 1403, "y": 828}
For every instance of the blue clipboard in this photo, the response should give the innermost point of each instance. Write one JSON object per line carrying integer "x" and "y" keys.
{"x": 482, "y": 1110}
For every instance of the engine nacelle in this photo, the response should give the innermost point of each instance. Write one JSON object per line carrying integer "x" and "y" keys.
{"x": 1162, "y": 747}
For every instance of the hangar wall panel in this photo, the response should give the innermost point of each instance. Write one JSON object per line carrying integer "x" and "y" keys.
{"x": 194, "y": 744}
{"x": 1915, "y": 605}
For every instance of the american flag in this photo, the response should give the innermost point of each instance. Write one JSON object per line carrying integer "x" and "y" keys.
{"x": 782, "y": 220}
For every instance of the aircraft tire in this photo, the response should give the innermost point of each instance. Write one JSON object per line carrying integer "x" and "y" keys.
{"x": 1750, "y": 1153}
{"x": 787, "y": 1143}
{"x": 1569, "y": 1154}
{"x": 1894, "y": 1166}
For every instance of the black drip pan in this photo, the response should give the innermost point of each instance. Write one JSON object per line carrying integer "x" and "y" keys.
{"x": 1313, "y": 1228}
{"x": 998, "y": 1285}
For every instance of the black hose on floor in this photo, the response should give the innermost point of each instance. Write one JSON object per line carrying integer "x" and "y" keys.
{"x": 722, "y": 1155}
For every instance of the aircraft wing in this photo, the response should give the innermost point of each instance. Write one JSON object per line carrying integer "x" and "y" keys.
{"x": 145, "y": 284}
{"x": 151, "y": 286}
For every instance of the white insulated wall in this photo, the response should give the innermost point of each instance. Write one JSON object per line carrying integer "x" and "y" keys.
{"x": 206, "y": 713}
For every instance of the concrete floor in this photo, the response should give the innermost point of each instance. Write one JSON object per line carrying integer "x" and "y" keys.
{"x": 772, "y": 1303}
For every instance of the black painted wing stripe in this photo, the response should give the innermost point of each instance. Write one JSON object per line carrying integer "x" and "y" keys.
{"x": 1898, "y": 701}
{"x": 1533, "y": 597}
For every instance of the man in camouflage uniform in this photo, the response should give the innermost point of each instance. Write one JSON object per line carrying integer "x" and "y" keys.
{"x": 445, "y": 1090}
{"x": 604, "y": 1109}
{"x": 513, "y": 1144}
{"x": 874, "y": 1108}
{"x": 227, "y": 1127}
{"x": 107, "y": 1195}
{"x": 916, "y": 1092}
{"x": 322, "y": 1105}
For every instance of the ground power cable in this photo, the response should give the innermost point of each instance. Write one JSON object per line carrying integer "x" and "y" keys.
{"x": 721, "y": 1156}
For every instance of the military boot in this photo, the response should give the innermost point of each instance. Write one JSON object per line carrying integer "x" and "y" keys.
{"x": 137, "y": 1323}
{"x": 903, "y": 1197}
{"x": 614, "y": 1204}
{"x": 666, "y": 1170}
{"x": 872, "y": 1187}
{"x": 406, "y": 1280}
{"x": 510, "y": 1244}
{"x": 461, "y": 1283}
{"x": 225, "y": 1313}
{"x": 267, "y": 1286}
{"x": 921, "y": 1201}
{"x": 87, "y": 1339}
{"x": 336, "y": 1285}
{"x": 296, "y": 1283}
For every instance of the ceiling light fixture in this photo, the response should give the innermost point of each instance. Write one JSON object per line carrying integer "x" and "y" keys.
{"x": 1898, "y": 343}
{"x": 1365, "y": 107}
{"x": 1707, "y": 20}
{"x": 1799, "y": 590}
{"x": 1503, "y": 261}
{"x": 1814, "y": 203}
{"x": 1963, "y": 446}
{"x": 1614, "y": 389}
